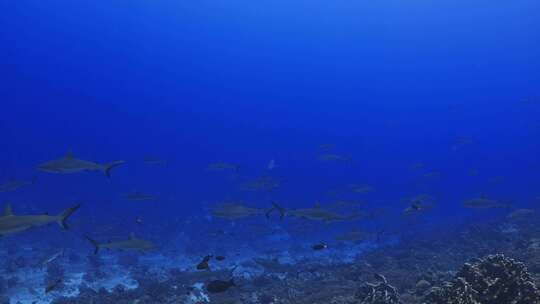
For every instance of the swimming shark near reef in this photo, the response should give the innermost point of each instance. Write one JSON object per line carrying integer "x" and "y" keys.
{"x": 334, "y": 157}
{"x": 316, "y": 213}
{"x": 154, "y": 161}
{"x": 13, "y": 184}
{"x": 233, "y": 211}
{"x": 222, "y": 166}
{"x": 483, "y": 202}
{"x": 264, "y": 183}
{"x": 132, "y": 243}
{"x": 11, "y": 223}
{"x": 139, "y": 196}
{"x": 69, "y": 164}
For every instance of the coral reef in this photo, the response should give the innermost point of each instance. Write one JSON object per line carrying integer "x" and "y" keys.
{"x": 495, "y": 279}
{"x": 380, "y": 293}
{"x": 427, "y": 268}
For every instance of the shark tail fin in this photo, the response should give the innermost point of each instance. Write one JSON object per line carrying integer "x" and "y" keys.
{"x": 62, "y": 218}
{"x": 109, "y": 166}
{"x": 94, "y": 243}
{"x": 277, "y": 207}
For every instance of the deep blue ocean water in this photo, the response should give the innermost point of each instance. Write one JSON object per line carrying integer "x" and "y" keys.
{"x": 453, "y": 85}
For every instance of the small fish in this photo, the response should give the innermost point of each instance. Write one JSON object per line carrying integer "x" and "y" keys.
{"x": 413, "y": 208}
{"x": 132, "y": 243}
{"x": 139, "y": 196}
{"x": 69, "y": 164}
{"x": 271, "y": 165}
{"x": 219, "y": 286}
{"x": 204, "y": 264}
{"x": 432, "y": 175}
{"x": 220, "y": 258}
{"x": 335, "y": 158}
{"x": 417, "y": 166}
{"x": 461, "y": 142}
{"x": 154, "y": 161}
{"x": 360, "y": 188}
{"x": 138, "y": 221}
{"x": 421, "y": 202}
{"x": 52, "y": 286}
{"x": 222, "y": 166}
{"x": 326, "y": 147}
{"x": 320, "y": 246}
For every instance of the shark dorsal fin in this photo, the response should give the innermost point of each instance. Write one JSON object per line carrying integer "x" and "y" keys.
{"x": 132, "y": 236}
{"x": 483, "y": 196}
{"x": 317, "y": 205}
{"x": 8, "y": 211}
{"x": 69, "y": 154}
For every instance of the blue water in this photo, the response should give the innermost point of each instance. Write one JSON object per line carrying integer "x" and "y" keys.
{"x": 388, "y": 83}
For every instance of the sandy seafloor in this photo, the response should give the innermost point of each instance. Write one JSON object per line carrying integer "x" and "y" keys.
{"x": 31, "y": 289}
